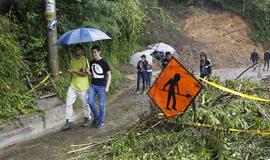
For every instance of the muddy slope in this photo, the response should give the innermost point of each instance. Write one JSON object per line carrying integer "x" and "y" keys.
{"x": 224, "y": 36}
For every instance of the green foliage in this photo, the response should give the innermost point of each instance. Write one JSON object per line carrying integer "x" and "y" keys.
{"x": 23, "y": 42}
{"x": 32, "y": 36}
{"x": 13, "y": 100}
{"x": 170, "y": 139}
{"x": 62, "y": 84}
{"x": 123, "y": 20}
{"x": 160, "y": 17}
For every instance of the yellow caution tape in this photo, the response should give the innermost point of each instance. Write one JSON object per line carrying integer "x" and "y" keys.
{"x": 44, "y": 80}
{"x": 6, "y": 85}
{"x": 257, "y": 132}
{"x": 234, "y": 92}
{"x": 14, "y": 93}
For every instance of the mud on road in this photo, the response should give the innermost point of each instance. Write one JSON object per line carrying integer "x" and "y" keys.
{"x": 121, "y": 113}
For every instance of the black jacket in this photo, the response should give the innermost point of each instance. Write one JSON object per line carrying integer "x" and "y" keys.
{"x": 205, "y": 67}
{"x": 254, "y": 57}
{"x": 142, "y": 66}
{"x": 266, "y": 56}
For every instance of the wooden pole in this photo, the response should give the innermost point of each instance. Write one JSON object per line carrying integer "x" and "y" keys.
{"x": 50, "y": 13}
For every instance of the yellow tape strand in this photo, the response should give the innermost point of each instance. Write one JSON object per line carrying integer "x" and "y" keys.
{"x": 13, "y": 92}
{"x": 257, "y": 132}
{"x": 234, "y": 92}
{"x": 44, "y": 80}
{"x": 6, "y": 85}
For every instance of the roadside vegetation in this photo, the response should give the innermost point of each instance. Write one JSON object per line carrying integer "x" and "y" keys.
{"x": 23, "y": 44}
{"x": 201, "y": 133}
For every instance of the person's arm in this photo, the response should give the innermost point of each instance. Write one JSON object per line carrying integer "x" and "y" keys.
{"x": 109, "y": 78}
{"x": 160, "y": 64}
{"x": 138, "y": 65}
{"x": 80, "y": 73}
{"x": 209, "y": 63}
{"x": 89, "y": 72}
{"x": 164, "y": 87}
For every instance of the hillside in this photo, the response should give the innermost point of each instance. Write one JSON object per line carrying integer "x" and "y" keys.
{"x": 223, "y": 35}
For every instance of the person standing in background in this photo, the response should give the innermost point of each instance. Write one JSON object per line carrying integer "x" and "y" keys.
{"x": 141, "y": 73}
{"x": 205, "y": 66}
{"x": 254, "y": 58}
{"x": 165, "y": 61}
{"x": 266, "y": 58}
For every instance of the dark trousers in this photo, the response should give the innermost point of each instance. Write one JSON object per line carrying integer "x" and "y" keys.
{"x": 141, "y": 76}
{"x": 204, "y": 75}
{"x": 255, "y": 65}
{"x": 266, "y": 64}
{"x": 148, "y": 78}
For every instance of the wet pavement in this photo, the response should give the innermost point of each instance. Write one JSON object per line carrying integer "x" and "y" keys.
{"x": 123, "y": 112}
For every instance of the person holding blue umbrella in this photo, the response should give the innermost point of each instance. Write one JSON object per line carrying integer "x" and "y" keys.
{"x": 100, "y": 84}
{"x": 78, "y": 87}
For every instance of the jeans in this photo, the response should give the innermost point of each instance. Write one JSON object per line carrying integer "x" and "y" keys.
{"x": 72, "y": 95}
{"x": 266, "y": 64}
{"x": 141, "y": 76}
{"x": 148, "y": 78}
{"x": 101, "y": 93}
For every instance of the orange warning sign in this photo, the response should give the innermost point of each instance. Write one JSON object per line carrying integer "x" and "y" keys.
{"x": 174, "y": 89}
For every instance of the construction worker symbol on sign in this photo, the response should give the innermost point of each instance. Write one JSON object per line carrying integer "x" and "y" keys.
{"x": 172, "y": 83}
{"x": 174, "y": 89}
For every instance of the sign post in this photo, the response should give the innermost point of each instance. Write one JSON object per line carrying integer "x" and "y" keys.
{"x": 174, "y": 89}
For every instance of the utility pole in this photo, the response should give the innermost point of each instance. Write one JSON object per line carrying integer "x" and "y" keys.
{"x": 50, "y": 13}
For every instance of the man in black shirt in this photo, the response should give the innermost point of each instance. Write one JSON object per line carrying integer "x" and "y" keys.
{"x": 254, "y": 58}
{"x": 100, "y": 83}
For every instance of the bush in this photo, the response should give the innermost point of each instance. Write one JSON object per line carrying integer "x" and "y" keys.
{"x": 13, "y": 100}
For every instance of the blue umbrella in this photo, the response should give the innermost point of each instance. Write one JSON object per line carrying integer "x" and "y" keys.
{"x": 81, "y": 35}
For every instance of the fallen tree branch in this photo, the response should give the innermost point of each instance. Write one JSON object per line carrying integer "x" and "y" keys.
{"x": 245, "y": 71}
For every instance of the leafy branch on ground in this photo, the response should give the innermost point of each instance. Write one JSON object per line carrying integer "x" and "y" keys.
{"x": 155, "y": 138}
